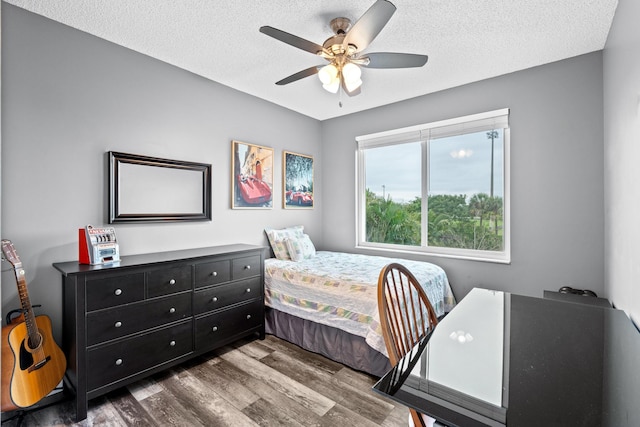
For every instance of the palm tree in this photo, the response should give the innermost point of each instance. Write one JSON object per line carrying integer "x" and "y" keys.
{"x": 494, "y": 207}
{"x": 478, "y": 205}
{"x": 391, "y": 222}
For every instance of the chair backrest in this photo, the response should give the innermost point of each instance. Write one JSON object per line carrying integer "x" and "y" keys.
{"x": 406, "y": 314}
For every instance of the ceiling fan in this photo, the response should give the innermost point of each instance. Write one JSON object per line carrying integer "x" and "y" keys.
{"x": 344, "y": 49}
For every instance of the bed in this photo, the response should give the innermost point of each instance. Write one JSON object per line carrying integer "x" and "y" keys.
{"x": 327, "y": 303}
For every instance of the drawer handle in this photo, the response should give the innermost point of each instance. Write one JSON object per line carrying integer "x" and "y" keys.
{"x": 214, "y": 299}
{"x": 172, "y": 310}
{"x": 118, "y": 324}
{"x": 248, "y": 290}
{"x": 118, "y": 362}
{"x": 214, "y": 274}
{"x": 118, "y": 291}
{"x": 248, "y": 316}
{"x": 214, "y": 329}
{"x": 172, "y": 343}
{"x": 172, "y": 281}
{"x": 247, "y": 267}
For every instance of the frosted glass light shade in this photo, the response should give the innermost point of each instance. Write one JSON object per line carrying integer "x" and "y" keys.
{"x": 352, "y": 85}
{"x": 351, "y": 73}
{"x": 333, "y": 86}
{"x": 328, "y": 74}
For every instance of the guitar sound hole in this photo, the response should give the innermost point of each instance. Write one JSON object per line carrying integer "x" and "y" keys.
{"x": 38, "y": 340}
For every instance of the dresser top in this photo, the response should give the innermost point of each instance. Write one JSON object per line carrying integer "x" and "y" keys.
{"x": 74, "y": 267}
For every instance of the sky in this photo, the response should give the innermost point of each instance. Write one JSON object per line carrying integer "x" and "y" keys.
{"x": 458, "y": 165}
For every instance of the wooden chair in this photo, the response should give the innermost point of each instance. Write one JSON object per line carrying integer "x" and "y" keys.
{"x": 406, "y": 315}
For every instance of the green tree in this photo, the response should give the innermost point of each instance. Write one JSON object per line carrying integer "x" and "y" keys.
{"x": 299, "y": 172}
{"x": 391, "y": 222}
{"x": 478, "y": 205}
{"x": 451, "y": 221}
{"x": 453, "y": 205}
{"x": 494, "y": 207}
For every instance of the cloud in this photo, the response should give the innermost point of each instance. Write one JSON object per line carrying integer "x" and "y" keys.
{"x": 458, "y": 165}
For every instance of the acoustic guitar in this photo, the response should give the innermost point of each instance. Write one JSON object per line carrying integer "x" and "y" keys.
{"x": 32, "y": 363}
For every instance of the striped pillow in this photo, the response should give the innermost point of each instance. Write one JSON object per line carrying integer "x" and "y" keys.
{"x": 277, "y": 239}
{"x": 300, "y": 247}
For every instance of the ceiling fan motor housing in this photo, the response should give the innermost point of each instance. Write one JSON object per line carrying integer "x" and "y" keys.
{"x": 334, "y": 44}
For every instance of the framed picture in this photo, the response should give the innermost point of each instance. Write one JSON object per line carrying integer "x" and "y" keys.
{"x": 297, "y": 179}
{"x": 150, "y": 189}
{"x": 251, "y": 176}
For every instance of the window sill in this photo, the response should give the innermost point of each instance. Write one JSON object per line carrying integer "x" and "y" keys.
{"x": 502, "y": 258}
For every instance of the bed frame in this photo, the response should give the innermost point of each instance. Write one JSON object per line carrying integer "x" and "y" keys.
{"x": 334, "y": 343}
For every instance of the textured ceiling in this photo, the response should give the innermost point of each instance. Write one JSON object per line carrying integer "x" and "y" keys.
{"x": 466, "y": 40}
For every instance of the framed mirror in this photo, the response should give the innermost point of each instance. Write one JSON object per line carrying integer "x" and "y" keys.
{"x": 150, "y": 189}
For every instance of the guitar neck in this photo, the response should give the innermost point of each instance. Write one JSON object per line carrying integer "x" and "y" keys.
{"x": 11, "y": 256}
{"x": 25, "y": 303}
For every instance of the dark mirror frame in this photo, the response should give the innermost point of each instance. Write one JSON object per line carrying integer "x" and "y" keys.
{"x": 116, "y": 188}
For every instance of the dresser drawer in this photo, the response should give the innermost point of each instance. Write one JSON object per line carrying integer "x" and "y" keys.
{"x": 246, "y": 267}
{"x": 130, "y": 356}
{"x": 120, "y": 321}
{"x": 168, "y": 281}
{"x": 212, "y": 273}
{"x": 224, "y": 295}
{"x": 226, "y": 323}
{"x": 114, "y": 290}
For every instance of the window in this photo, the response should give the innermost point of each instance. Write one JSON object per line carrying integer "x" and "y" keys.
{"x": 441, "y": 188}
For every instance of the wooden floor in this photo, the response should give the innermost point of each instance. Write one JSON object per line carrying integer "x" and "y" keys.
{"x": 252, "y": 383}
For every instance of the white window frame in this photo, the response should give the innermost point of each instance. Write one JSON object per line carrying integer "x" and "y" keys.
{"x": 461, "y": 125}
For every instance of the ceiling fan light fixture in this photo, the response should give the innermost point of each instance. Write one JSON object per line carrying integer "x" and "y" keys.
{"x": 352, "y": 85}
{"x": 333, "y": 86}
{"x": 328, "y": 74}
{"x": 351, "y": 73}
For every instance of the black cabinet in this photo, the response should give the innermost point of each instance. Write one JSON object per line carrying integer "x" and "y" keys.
{"x": 146, "y": 313}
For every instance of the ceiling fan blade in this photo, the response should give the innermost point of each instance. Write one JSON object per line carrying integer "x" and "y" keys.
{"x": 369, "y": 25}
{"x": 299, "y": 75}
{"x": 394, "y": 60}
{"x": 292, "y": 40}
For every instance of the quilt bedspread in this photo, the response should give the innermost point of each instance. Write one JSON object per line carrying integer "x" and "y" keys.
{"x": 340, "y": 290}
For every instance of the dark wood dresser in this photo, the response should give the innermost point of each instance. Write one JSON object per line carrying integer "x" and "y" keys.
{"x": 146, "y": 313}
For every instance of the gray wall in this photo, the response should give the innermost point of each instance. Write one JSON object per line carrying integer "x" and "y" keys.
{"x": 69, "y": 97}
{"x": 622, "y": 151}
{"x": 556, "y": 174}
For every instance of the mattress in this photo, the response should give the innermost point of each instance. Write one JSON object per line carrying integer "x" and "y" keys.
{"x": 339, "y": 290}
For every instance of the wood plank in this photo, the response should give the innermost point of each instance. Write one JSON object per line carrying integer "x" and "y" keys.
{"x": 162, "y": 407}
{"x": 399, "y": 416}
{"x": 308, "y": 398}
{"x": 341, "y": 416}
{"x": 144, "y": 388}
{"x": 266, "y": 414}
{"x": 231, "y": 390}
{"x": 129, "y": 408}
{"x": 350, "y": 376}
{"x": 279, "y": 401}
{"x": 360, "y": 399}
{"x": 254, "y": 349}
{"x": 203, "y": 402}
{"x": 317, "y": 361}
